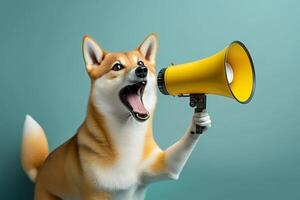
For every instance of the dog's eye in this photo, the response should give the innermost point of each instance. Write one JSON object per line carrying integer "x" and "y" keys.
{"x": 140, "y": 63}
{"x": 117, "y": 67}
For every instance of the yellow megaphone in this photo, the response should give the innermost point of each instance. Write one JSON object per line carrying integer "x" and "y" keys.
{"x": 229, "y": 73}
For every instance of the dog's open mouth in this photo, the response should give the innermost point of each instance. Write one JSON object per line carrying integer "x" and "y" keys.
{"x": 131, "y": 97}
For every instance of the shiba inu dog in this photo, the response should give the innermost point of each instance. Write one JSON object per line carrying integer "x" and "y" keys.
{"x": 113, "y": 155}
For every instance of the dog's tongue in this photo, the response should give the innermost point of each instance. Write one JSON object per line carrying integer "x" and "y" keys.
{"x": 136, "y": 103}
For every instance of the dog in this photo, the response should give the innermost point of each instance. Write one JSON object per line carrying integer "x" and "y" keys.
{"x": 113, "y": 154}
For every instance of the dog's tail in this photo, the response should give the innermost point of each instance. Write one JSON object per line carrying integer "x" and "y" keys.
{"x": 34, "y": 149}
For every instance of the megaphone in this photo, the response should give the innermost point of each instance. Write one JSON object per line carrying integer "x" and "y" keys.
{"x": 229, "y": 73}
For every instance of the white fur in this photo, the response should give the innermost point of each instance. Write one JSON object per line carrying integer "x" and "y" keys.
{"x": 178, "y": 153}
{"x": 31, "y": 126}
{"x": 31, "y": 130}
{"x": 149, "y": 48}
{"x": 91, "y": 50}
{"x": 128, "y": 140}
{"x": 127, "y": 134}
{"x": 127, "y": 179}
{"x": 128, "y": 174}
{"x": 106, "y": 95}
{"x": 32, "y": 174}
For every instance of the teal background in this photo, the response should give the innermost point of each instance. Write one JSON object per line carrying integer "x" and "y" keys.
{"x": 251, "y": 152}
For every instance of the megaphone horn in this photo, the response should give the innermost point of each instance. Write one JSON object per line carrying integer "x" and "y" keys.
{"x": 230, "y": 73}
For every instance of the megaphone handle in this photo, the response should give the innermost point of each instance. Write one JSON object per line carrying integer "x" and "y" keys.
{"x": 198, "y": 100}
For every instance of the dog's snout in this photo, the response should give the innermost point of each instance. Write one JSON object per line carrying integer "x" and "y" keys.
{"x": 141, "y": 71}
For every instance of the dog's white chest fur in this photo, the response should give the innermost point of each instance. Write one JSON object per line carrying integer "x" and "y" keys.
{"x": 128, "y": 140}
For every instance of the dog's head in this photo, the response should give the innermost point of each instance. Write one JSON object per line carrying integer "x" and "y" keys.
{"x": 123, "y": 84}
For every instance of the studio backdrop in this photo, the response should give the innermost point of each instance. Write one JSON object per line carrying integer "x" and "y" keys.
{"x": 251, "y": 151}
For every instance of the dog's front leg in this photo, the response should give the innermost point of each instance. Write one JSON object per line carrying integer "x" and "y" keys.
{"x": 177, "y": 154}
{"x": 169, "y": 163}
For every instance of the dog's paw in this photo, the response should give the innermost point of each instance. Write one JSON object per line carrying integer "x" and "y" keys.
{"x": 202, "y": 119}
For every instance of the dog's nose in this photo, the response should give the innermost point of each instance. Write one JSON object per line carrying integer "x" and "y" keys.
{"x": 141, "y": 71}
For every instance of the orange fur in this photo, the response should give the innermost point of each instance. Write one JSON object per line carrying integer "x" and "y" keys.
{"x": 159, "y": 164}
{"x": 127, "y": 58}
{"x": 31, "y": 159}
{"x": 149, "y": 143}
{"x": 62, "y": 173}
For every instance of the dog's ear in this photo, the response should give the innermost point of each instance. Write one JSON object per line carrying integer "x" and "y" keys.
{"x": 92, "y": 53}
{"x": 149, "y": 48}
